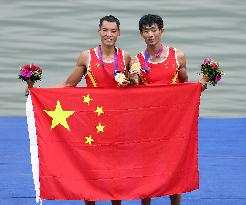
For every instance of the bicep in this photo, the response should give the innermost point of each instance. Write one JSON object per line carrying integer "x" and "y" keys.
{"x": 127, "y": 59}
{"x": 76, "y": 75}
{"x": 183, "y": 76}
{"x": 78, "y": 72}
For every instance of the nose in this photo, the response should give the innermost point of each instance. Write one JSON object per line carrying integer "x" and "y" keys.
{"x": 109, "y": 33}
{"x": 150, "y": 33}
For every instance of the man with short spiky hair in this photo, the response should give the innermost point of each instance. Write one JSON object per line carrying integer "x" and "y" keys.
{"x": 158, "y": 64}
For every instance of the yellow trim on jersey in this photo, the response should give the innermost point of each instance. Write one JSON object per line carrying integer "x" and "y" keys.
{"x": 92, "y": 78}
{"x": 174, "y": 79}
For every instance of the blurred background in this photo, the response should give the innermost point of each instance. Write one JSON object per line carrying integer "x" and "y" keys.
{"x": 51, "y": 34}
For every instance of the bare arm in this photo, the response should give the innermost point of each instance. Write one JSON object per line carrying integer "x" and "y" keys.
{"x": 126, "y": 81}
{"x": 204, "y": 81}
{"x": 127, "y": 59}
{"x": 133, "y": 60}
{"x": 183, "y": 77}
{"x": 77, "y": 73}
{"x": 134, "y": 76}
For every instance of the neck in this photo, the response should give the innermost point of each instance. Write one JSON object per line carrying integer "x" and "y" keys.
{"x": 152, "y": 49}
{"x": 107, "y": 50}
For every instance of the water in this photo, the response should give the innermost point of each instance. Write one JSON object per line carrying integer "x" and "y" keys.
{"x": 52, "y": 34}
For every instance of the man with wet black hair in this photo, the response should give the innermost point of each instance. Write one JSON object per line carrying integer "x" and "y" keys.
{"x": 109, "y": 18}
{"x": 99, "y": 65}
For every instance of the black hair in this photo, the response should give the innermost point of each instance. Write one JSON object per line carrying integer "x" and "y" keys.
{"x": 109, "y": 18}
{"x": 149, "y": 20}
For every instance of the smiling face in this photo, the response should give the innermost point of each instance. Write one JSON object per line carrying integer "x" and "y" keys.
{"x": 152, "y": 34}
{"x": 109, "y": 33}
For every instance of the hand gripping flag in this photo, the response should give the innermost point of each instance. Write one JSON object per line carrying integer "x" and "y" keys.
{"x": 119, "y": 143}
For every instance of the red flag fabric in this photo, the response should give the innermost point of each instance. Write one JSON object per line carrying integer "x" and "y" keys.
{"x": 118, "y": 143}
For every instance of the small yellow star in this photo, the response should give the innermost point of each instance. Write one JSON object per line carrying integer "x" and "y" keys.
{"x": 100, "y": 128}
{"x": 59, "y": 116}
{"x": 99, "y": 111}
{"x": 89, "y": 140}
{"x": 97, "y": 65}
{"x": 87, "y": 99}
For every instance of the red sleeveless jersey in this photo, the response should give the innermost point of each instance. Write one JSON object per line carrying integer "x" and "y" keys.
{"x": 163, "y": 72}
{"x": 103, "y": 75}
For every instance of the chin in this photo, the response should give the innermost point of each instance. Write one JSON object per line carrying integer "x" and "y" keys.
{"x": 152, "y": 43}
{"x": 109, "y": 44}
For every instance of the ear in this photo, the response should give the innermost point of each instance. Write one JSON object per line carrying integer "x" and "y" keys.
{"x": 98, "y": 32}
{"x": 141, "y": 34}
{"x": 119, "y": 32}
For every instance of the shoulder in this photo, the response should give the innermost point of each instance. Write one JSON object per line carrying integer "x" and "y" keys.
{"x": 83, "y": 59}
{"x": 134, "y": 60}
{"x": 180, "y": 57}
{"x": 183, "y": 77}
{"x": 127, "y": 57}
{"x": 126, "y": 54}
{"x": 84, "y": 53}
{"x": 180, "y": 53}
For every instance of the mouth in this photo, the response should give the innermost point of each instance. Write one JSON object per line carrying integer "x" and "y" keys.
{"x": 151, "y": 40}
{"x": 109, "y": 40}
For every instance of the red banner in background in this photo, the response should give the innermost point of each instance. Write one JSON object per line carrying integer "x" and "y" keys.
{"x": 119, "y": 143}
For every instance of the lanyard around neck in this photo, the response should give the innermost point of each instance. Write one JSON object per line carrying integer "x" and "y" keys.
{"x": 115, "y": 59}
{"x": 146, "y": 57}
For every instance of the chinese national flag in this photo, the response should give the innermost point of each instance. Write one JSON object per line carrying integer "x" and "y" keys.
{"x": 119, "y": 143}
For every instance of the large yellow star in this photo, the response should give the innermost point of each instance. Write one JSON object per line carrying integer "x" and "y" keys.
{"x": 87, "y": 99}
{"x": 59, "y": 116}
{"x": 99, "y": 111}
{"x": 89, "y": 140}
{"x": 100, "y": 128}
